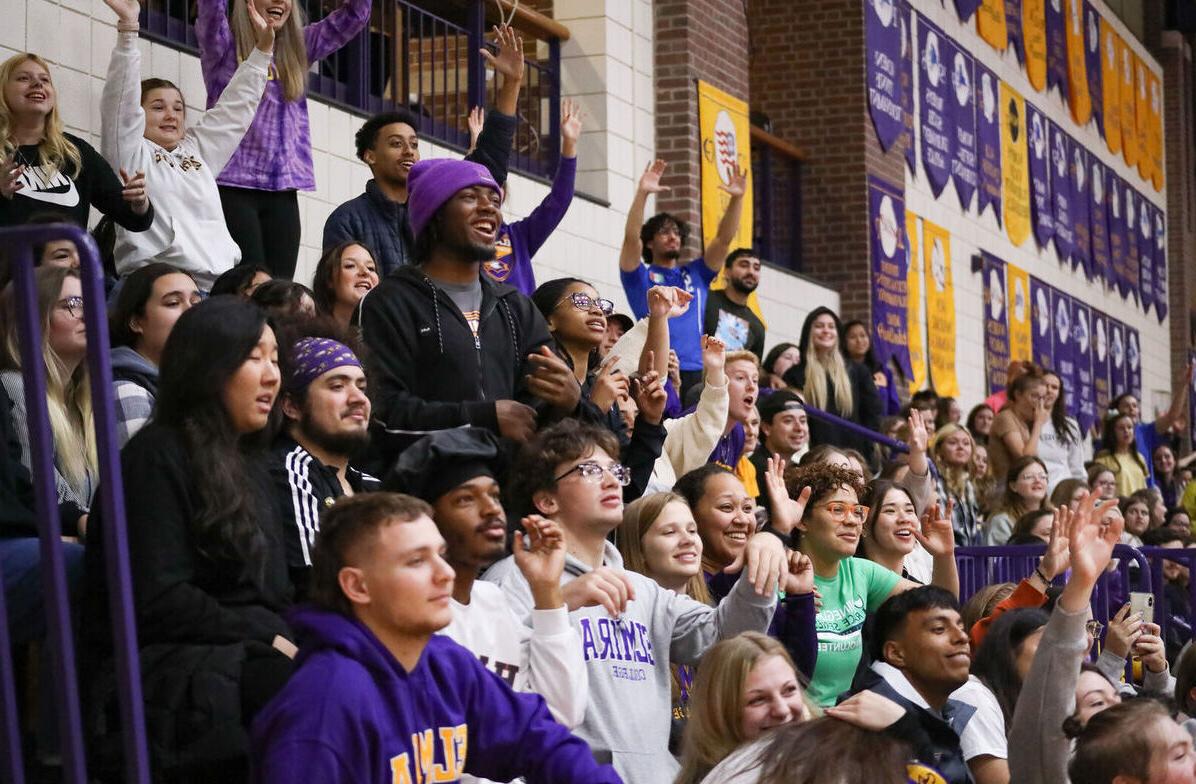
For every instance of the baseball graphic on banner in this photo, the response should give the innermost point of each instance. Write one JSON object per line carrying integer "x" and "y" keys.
{"x": 726, "y": 155}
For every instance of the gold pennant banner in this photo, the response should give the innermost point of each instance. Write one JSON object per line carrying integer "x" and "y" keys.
{"x": 990, "y": 24}
{"x": 1155, "y": 134}
{"x": 1110, "y": 78}
{"x": 1017, "y": 300}
{"x": 1034, "y": 36}
{"x": 913, "y": 303}
{"x": 1015, "y": 175}
{"x": 1129, "y": 130}
{"x": 940, "y": 308}
{"x": 1079, "y": 100}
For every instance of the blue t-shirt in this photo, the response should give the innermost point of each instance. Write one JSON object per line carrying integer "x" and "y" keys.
{"x": 685, "y": 331}
{"x": 1147, "y": 439}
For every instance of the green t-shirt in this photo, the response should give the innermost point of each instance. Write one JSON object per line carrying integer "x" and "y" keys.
{"x": 859, "y": 589}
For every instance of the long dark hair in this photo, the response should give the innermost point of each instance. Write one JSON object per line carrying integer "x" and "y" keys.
{"x": 546, "y": 297}
{"x": 1108, "y": 443}
{"x": 206, "y": 347}
{"x": 774, "y": 354}
{"x": 996, "y": 659}
{"x": 323, "y": 286}
{"x": 874, "y": 500}
{"x": 869, "y": 361}
{"x": 130, "y": 303}
{"x": 1065, "y": 428}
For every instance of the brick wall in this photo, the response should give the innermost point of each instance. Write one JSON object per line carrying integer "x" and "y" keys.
{"x": 695, "y": 39}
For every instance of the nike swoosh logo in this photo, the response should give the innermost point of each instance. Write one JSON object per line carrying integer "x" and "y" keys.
{"x": 58, "y": 190}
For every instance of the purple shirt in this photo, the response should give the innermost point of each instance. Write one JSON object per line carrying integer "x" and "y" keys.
{"x": 519, "y": 241}
{"x": 275, "y": 154}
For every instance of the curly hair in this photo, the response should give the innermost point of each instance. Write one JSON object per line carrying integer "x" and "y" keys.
{"x": 535, "y": 468}
{"x": 823, "y": 479}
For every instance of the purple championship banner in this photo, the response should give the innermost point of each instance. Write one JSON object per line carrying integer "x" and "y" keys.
{"x": 1013, "y": 26}
{"x": 1056, "y": 41}
{"x": 935, "y": 53}
{"x": 1081, "y": 248}
{"x": 1064, "y": 345}
{"x": 1060, "y": 167}
{"x": 1115, "y": 216}
{"x": 1100, "y": 364}
{"x": 1133, "y": 362}
{"x": 962, "y": 105}
{"x": 1144, "y": 237}
{"x": 1081, "y": 330}
{"x": 1041, "y": 211}
{"x": 1102, "y": 264}
{"x": 906, "y": 19}
{"x": 1092, "y": 63}
{"x": 1117, "y": 363}
{"x": 988, "y": 141}
{"x": 1161, "y": 284}
{"x": 965, "y": 8}
{"x": 882, "y": 26}
{"x": 1133, "y": 266}
{"x": 1041, "y": 324}
{"x": 890, "y": 266}
{"x": 996, "y": 323}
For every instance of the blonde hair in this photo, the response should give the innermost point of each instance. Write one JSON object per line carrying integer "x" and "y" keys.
{"x": 955, "y": 477}
{"x": 715, "y": 727}
{"x": 818, "y": 370}
{"x": 58, "y": 153}
{"x": 638, "y": 517}
{"x": 290, "y": 48}
{"x": 68, "y": 397}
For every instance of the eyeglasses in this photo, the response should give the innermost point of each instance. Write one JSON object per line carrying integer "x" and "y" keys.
{"x": 839, "y": 510}
{"x": 72, "y": 305}
{"x": 593, "y": 471}
{"x": 1094, "y": 628}
{"x": 585, "y": 302}
{"x": 1033, "y": 477}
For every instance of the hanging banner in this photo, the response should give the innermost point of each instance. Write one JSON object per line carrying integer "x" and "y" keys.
{"x": 1098, "y": 222}
{"x": 935, "y": 51}
{"x": 1133, "y": 266}
{"x": 965, "y": 8}
{"x": 1040, "y": 177}
{"x": 1013, "y": 28}
{"x": 1019, "y": 306}
{"x": 890, "y": 273}
{"x": 1056, "y": 47}
{"x": 1079, "y": 101}
{"x": 914, "y": 308}
{"x": 725, "y": 142}
{"x": 1125, "y": 75}
{"x": 1081, "y": 330}
{"x": 1155, "y": 138}
{"x": 988, "y": 141}
{"x": 996, "y": 324}
{"x": 990, "y": 23}
{"x": 1043, "y": 315}
{"x": 1110, "y": 79}
{"x": 1144, "y": 234}
{"x": 906, "y": 78}
{"x": 1064, "y": 347}
{"x": 882, "y": 31}
{"x": 1142, "y": 117}
{"x": 1115, "y": 213}
{"x": 1161, "y": 284}
{"x": 1014, "y": 167}
{"x": 1117, "y": 363}
{"x": 963, "y": 120}
{"x": 940, "y": 308}
{"x": 1192, "y": 400}
{"x": 1093, "y": 63}
{"x": 1100, "y": 364}
{"x": 1081, "y": 247}
{"x": 1034, "y": 39}
{"x": 1133, "y": 362}
{"x": 1061, "y": 192}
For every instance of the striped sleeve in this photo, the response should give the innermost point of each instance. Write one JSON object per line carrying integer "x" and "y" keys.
{"x": 304, "y": 502}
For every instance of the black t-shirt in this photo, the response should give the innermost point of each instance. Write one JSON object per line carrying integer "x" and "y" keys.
{"x": 734, "y": 324}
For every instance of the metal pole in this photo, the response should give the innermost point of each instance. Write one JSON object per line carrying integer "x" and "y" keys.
{"x": 12, "y": 767}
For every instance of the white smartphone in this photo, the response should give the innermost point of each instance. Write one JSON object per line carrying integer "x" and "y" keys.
{"x": 1142, "y": 603}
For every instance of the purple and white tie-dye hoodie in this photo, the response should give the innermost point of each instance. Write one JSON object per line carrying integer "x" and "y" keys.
{"x": 275, "y": 154}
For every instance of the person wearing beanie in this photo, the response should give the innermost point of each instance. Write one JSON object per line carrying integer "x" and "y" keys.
{"x": 450, "y": 347}
{"x": 784, "y": 431}
{"x": 458, "y": 473}
{"x": 327, "y": 416}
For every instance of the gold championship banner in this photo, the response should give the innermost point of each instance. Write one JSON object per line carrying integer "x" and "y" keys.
{"x": 1142, "y": 118}
{"x": 1155, "y": 137}
{"x": 990, "y": 24}
{"x": 1079, "y": 100}
{"x": 940, "y": 308}
{"x": 1129, "y": 131}
{"x": 1034, "y": 36}
{"x": 913, "y": 304}
{"x": 1017, "y": 300}
{"x": 725, "y": 141}
{"x": 1014, "y": 172}
{"x": 1110, "y": 86}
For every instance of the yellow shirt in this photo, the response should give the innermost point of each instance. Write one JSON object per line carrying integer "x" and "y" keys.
{"x": 747, "y": 474}
{"x": 1127, "y": 470}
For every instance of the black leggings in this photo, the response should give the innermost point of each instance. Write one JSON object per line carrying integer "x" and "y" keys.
{"x": 266, "y": 226}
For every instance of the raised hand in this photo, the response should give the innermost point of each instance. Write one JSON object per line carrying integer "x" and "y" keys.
{"x": 127, "y": 11}
{"x": 918, "y": 437}
{"x": 476, "y": 119}
{"x": 937, "y": 534}
{"x": 675, "y": 369}
{"x": 714, "y": 354}
{"x": 263, "y": 29}
{"x": 786, "y": 512}
{"x": 668, "y": 301}
{"x": 1042, "y": 414}
{"x": 608, "y": 385}
{"x": 1057, "y": 556}
{"x": 10, "y": 177}
{"x": 134, "y": 191}
{"x": 738, "y": 184}
{"x": 604, "y": 586}
{"x": 799, "y": 580}
{"x": 509, "y": 60}
{"x": 650, "y": 397}
{"x": 570, "y": 127}
{"x": 1092, "y": 537}
{"x": 766, "y": 559}
{"x": 541, "y": 559}
{"x": 650, "y": 179}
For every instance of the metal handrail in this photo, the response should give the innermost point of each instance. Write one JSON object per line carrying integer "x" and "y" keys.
{"x": 19, "y": 242}
{"x": 856, "y": 428}
{"x": 1156, "y": 556}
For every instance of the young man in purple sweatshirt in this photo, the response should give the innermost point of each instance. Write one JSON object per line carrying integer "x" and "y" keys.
{"x": 378, "y": 697}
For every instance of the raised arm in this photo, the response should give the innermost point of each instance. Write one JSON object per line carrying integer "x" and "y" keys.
{"x": 217, "y": 51}
{"x": 664, "y": 303}
{"x": 335, "y": 30}
{"x": 632, "y": 252}
{"x": 122, "y": 121}
{"x": 535, "y": 229}
{"x": 509, "y": 63}
{"x": 718, "y": 248}
{"x": 1179, "y": 405}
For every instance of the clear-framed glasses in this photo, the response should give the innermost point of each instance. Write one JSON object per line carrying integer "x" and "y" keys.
{"x": 1039, "y": 477}
{"x": 72, "y": 305}
{"x": 584, "y": 302}
{"x": 593, "y": 470}
{"x": 841, "y": 510}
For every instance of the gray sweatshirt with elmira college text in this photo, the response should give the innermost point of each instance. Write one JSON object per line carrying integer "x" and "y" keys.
{"x": 628, "y": 659}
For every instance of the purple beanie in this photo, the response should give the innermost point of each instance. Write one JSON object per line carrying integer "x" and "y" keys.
{"x": 432, "y": 182}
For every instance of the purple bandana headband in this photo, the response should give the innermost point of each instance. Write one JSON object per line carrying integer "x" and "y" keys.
{"x": 313, "y": 357}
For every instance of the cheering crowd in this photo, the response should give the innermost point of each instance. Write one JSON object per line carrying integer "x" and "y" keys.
{"x": 426, "y": 519}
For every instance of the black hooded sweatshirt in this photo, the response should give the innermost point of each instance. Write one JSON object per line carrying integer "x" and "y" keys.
{"x": 426, "y": 371}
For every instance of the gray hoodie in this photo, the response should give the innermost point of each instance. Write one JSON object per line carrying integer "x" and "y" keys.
{"x": 628, "y": 658}
{"x": 135, "y": 384}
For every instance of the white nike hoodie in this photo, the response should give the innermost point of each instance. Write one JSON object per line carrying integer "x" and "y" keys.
{"x": 188, "y": 230}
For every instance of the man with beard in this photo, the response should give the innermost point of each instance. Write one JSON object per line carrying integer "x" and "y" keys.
{"x": 651, "y": 256}
{"x": 458, "y": 472}
{"x": 728, "y": 316}
{"x": 327, "y": 418}
{"x": 450, "y": 347}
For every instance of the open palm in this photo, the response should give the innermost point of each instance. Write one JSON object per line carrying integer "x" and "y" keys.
{"x": 126, "y": 10}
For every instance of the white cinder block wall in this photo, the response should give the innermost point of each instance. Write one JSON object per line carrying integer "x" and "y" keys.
{"x": 971, "y": 234}
{"x": 607, "y": 66}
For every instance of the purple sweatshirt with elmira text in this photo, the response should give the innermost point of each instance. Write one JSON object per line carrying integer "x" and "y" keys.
{"x": 275, "y": 154}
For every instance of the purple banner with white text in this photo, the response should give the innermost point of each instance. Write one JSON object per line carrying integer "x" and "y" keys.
{"x": 1115, "y": 216}
{"x": 988, "y": 141}
{"x": 1092, "y": 63}
{"x": 1060, "y": 167}
{"x": 1144, "y": 235}
{"x": 1098, "y": 224}
{"x": 1161, "y": 284}
{"x": 1117, "y": 363}
{"x": 1056, "y": 41}
{"x": 1013, "y": 26}
{"x": 1065, "y": 364}
{"x": 1133, "y": 362}
{"x": 1100, "y": 364}
{"x": 935, "y": 53}
{"x": 906, "y": 18}
{"x": 1081, "y": 247}
{"x": 882, "y": 30}
{"x": 1081, "y": 330}
{"x": 890, "y": 269}
{"x": 1041, "y": 211}
{"x": 1041, "y": 324}
{"x": 964, "y": 171}
{"x": 996, "y": 323}
{"x": 1133, "y": 267}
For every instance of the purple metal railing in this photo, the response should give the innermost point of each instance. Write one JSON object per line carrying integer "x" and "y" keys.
{"x": 19, "y": 241}
{"x": 410, "y": 57}
{"x": 858, "y": 429}
{"x": 1162, "y": 613}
